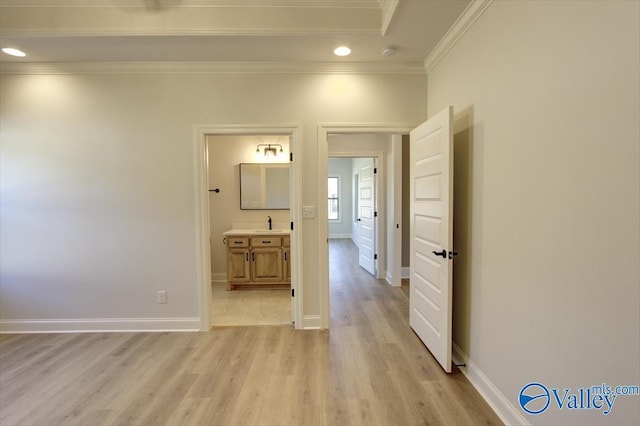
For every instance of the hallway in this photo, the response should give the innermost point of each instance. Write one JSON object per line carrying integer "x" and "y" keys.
{"x": 392, "y": 378}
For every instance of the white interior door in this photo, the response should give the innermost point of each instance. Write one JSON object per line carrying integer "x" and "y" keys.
{"x": 431, "y": 210}
{"x": 366, "y": 219}
{"x": 292, "y": 182}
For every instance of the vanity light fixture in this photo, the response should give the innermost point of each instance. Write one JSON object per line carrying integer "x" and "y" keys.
{"x": 342, "y": 51}
{"x": 269, "y": 149}
{"x": 14, "y": 52}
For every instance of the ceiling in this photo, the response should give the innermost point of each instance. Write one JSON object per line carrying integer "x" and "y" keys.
{"x": 226, "y": 31}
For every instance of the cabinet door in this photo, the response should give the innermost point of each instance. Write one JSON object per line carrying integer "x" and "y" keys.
{"x": 286, "y": 264}
{"x": 266, "y": 264}
{"x": 238, "y": 265}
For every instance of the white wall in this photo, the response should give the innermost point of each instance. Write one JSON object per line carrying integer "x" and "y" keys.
{"x": 226, "y": 152}
{"x": 547, "y": 207}
{"x": 342, "y": 168}
{"x": 97, "y": 203}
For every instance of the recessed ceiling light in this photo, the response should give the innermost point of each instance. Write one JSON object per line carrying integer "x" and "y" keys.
{"x": 342, "y": 51}
{"x": 13, "y": 52}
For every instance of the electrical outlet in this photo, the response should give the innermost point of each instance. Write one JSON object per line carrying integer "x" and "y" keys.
{"x": 162, "y": 296}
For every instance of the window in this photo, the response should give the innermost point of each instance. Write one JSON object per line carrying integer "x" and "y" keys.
{"x": 334, "y": 200}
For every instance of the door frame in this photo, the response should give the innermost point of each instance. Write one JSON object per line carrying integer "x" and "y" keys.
{"x": 201, "y": 180}
{"x": 324, "y": 129}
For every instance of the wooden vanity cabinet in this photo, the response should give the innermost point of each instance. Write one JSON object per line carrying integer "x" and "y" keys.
{"x": 238, "y": 270}
{"x": 258, "y": 260}
{"x": 266, "y": 259}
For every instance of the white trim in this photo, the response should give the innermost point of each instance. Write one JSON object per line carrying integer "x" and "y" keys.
{"x": 202, "y": 233}
{"x": 355, "y": 241}
{"x": 323, "y": 223}
{"x": 36, "y": 68}
{"x": 388, "y": 8}
{"x": 202, "y": 210}
{"x": 312, "y": 322}
{"x": 389, "y": 279}
{"x": 473, "y": 11}
{"x": 395, "y": 213}
{"x": 339, "y": 177}
{"x": 84, "y": 4}
{"x": 405, "y": 272}
{"x": 90, "y": 325}
{"x": 338, "y": 236}
{"x": 491, "y": 394}
{"x": 191, "y": 32}
{"x": 218, "y": 277}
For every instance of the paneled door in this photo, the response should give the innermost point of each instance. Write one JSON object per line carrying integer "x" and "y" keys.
{"x": 431, "y": 212}
{"x": 366, "y": 216}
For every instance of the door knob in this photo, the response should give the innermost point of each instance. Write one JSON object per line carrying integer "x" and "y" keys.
{"x": 442, "y": 253}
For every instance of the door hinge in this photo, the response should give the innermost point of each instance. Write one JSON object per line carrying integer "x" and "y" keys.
{"x": 292, "y": 225}
{"x": 375, "y": 257}
{"x": 375, "y": 214}
{"x": 291, "y": 156}
{"x": 375, "y": 170}
{"x": 293, "y": 292}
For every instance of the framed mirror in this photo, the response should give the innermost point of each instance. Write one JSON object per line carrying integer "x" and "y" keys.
{"x": 264, "y": 186}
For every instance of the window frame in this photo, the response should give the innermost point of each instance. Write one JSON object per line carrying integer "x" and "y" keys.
{"x": 337, "y": 198}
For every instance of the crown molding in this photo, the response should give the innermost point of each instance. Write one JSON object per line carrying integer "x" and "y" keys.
{"x": 169, "y": 32}
{"x": 31, "y": 68}
{"x": 307, "y": 4}
{"x": 475, "y": 9}
{"x": 388, "y": 10}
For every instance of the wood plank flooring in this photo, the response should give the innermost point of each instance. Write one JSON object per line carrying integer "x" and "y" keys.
{"x": 369, "y": 369}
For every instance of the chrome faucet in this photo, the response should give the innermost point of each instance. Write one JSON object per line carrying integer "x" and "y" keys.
{"x": 269, "y": 222}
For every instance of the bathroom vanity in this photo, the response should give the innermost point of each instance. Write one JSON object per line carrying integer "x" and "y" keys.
{"x": 258, "y": 258}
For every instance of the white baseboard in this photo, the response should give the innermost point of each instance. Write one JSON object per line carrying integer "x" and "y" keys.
{"x": 405, "y": 272}
{"x": 389, "y": 279}
{"x": 339, "y": 236}
{"x": 90, "y": 325}
{"x": 311, "y": 322}
{"x": 496, "y": 399}
{"x": 219, "y": 277}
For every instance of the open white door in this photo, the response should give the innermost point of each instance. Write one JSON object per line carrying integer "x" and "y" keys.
{"x": 292, "y": 183}
{"x": 366, "y": 216}
{"x": 431, "y": 210}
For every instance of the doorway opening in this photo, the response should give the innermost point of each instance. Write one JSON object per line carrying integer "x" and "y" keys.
{"x": 249, "y": 190}
{"x": 220, "y": 151}
{"x": 384, "y": 147}
{"x": 353, "y": 211}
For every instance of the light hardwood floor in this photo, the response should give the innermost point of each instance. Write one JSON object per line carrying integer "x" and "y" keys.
{"x": 369, "y": 369}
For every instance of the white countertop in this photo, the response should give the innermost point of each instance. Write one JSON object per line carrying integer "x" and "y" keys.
{"x": 256, "y": 232}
